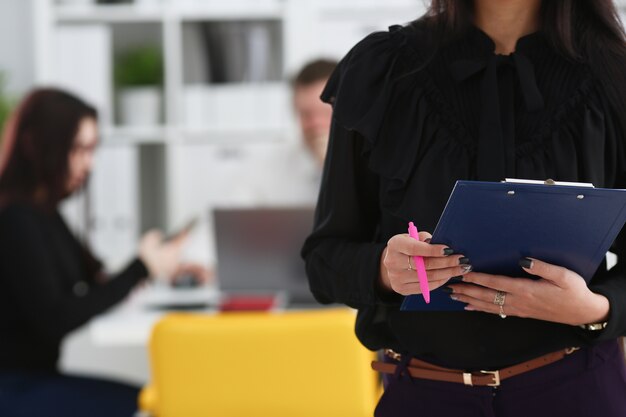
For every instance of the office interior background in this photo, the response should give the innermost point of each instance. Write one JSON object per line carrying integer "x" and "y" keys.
{"x": 211, "y": 126}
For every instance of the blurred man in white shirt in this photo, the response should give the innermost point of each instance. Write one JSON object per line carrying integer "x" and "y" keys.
{"x": 314, "y": 116}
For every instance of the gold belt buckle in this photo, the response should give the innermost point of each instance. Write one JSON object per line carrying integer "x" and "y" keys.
{"x": 496, "y": 378}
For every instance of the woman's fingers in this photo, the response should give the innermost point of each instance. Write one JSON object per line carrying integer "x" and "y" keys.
{"x": 401, "y": 261}
{"x": 201, "y": 273}
{"x": 497, "y": 282}
{"x": 408, "y": 282}
{"x": 556, "y": 274}
{"x": 410, "y": 288}
{"x": 425, "y": 237}
{"x": 445, "y": 273}
{"x": 474, "y": 304}
{"x": 445, "y": 262}
{"x": 399, "y": 269}
{"x": 409, "y": 246}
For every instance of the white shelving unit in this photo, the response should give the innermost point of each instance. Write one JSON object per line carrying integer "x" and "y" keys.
{"x": 223, "y": 128}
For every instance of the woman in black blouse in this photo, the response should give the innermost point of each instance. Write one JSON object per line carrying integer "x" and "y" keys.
{"x": 50, "y": 283}
{"x": 476, "y": 90}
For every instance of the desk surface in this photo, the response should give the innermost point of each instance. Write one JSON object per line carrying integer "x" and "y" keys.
{"x": 130, "y": 323}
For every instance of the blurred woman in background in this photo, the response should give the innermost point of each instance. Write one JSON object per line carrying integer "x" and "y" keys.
{"x": 50, "y": 283}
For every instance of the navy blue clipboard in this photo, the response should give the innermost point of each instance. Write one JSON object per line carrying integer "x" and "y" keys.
{"x": 497, "y": 224}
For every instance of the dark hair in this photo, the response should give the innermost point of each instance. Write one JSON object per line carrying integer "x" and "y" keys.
{"x": 37, "y": 141}
{"x": 581, "y": 30}
{"x": 314, "y": 71}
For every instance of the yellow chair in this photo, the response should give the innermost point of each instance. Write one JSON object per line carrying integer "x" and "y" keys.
{"x": 289, "y": 364}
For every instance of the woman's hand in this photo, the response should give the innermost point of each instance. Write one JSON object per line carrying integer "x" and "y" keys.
{"x": 201, "y": 274}
{"x": 560, "y": 296}
{"x": 161, "y": 257}
{"x": 441, "y": 265}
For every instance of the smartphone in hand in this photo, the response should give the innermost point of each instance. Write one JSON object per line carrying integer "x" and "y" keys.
{"x": 188, "y": 227}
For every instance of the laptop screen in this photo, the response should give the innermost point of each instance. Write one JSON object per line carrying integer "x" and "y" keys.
{"x": 258, "y": 250}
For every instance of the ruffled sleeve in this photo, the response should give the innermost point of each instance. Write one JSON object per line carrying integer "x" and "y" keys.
{"x": 359, "y": 89}
{"x": 343, "y": 252}
{"x": 382, "y": 91}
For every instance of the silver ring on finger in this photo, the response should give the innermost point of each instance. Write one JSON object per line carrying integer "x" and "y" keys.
{"x": 499, "y": 298}
{"x": 410, "y": 268}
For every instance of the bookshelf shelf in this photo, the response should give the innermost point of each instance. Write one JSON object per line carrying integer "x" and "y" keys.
{"x": 129, "y": 13}
{"x": 68, "y": 14}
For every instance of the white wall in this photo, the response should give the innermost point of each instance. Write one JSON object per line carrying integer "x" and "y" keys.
{"x": 16, "y": 44}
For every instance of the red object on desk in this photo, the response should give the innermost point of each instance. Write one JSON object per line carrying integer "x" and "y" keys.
{"x": 248, "y": 303}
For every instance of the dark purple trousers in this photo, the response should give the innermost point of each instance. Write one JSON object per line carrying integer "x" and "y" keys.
{"x": 588, "y": 383}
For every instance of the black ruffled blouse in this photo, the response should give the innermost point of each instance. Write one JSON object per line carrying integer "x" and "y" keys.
{"x": 407, "y": 125}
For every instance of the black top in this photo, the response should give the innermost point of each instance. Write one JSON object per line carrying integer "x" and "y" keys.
{"x": 46, "y": 289}
{"x": 405, "y": 129}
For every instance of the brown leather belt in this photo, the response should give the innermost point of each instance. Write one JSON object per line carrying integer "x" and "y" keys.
{"x": 424, "y": 370}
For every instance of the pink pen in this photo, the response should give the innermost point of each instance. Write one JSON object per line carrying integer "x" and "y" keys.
{"x": 419, "y": 266}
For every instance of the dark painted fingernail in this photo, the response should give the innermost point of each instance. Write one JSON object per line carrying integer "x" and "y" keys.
{"x": 464, "y": 261}
{"x": 447, "y": 290}
{"x": 448, "y": 251}
{"x": 456, "y": 280}
{"x": 466, "y": 268}
{"x": 526, "y": 263}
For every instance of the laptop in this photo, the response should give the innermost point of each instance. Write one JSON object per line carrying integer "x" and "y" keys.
{"x": 258, "y": 252}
